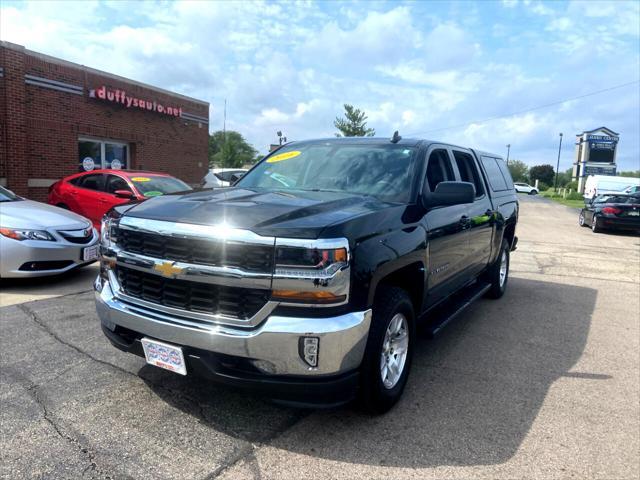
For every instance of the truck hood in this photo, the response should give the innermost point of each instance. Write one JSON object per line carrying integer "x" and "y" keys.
{"x": 292, "y": 213}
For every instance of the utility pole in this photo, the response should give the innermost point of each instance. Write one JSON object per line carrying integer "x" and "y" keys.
{"x": 224, "y": 132}
{"x": 555, "y": 183}
{"x": 508, "y": 150}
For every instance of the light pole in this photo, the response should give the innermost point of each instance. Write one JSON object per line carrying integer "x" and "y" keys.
{"x": 555, "y": 183}
{"x": 508, "y": 150}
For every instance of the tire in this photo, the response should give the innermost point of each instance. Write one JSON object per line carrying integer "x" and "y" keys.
{"x": 581, "y": 221}
{"x": 533, "y": 192}
{"x": 378, "y": 395}
{"x": 495, "y": 277}
{"x": 595, "y": 228}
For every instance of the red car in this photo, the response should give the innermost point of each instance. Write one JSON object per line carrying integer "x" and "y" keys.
{"x": 92, "y": 194}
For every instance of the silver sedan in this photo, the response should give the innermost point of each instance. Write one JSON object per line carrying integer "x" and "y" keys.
{"x": 37, "y": 239}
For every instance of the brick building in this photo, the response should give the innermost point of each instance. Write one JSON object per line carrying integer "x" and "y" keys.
{"x": 58, "y": 118}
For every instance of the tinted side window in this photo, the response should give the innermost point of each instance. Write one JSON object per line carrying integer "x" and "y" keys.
{"x": 496, "y": 180}
{"x": 505, "y": 173}
{"x": 468, "y": 171}
{"x": 439, "y": 169}
{"x": 116, "y": 183}
{"x": 92, "y": 182}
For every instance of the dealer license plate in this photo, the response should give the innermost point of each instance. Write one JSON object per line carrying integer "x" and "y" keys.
{"x": 164, "y": 356}
{"x": 90, "y": 253}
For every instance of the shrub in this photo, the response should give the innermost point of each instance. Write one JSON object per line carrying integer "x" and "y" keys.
{"x": 572, "y": 185}
{"x": 574, "y": 196}
{"x": 542, "y": 187}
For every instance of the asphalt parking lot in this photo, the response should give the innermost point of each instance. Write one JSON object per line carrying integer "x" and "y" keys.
{"x": 543, "y": 383}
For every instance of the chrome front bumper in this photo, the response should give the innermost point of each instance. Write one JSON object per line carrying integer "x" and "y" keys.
{"x": 272, "y": 346}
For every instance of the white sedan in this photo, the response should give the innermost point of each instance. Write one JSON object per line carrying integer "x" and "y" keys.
{"x": 37, "y": 239}
{"x": 222, "y": 177}
{"x": 525, "y": 188}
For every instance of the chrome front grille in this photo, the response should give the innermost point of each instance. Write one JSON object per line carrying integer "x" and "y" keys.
{"x": 235, "y": 302}
{"x": 251, "y": 258}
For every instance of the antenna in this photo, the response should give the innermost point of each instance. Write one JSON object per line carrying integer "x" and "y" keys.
{"x": 396, "y": 137}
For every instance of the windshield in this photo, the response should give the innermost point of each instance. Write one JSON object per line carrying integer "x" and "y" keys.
{"x": 613, "y": 186}
{"x": 8, "y": 195}
{"x": 382, "y": 171}
{"x": 614, "y": 199}
{"x": 153, "y": 186}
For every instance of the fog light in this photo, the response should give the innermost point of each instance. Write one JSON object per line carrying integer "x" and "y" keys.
{"x": 308, "y": 349}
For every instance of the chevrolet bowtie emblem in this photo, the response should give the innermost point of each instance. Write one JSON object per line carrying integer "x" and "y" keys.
{"x": 168, "y": 269}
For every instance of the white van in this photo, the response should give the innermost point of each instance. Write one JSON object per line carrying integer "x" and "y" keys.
{"x": 598, "y": 184}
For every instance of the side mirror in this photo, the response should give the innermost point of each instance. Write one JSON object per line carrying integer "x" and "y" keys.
{"x": 449, "y": 193}
{"x": 123, "y": 194}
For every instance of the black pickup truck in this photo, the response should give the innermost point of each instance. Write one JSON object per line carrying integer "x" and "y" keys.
{"x": 307, "y": 279}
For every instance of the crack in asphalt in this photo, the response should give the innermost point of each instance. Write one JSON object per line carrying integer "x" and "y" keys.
{"x": 33, "y": 390}
{"x": 249, "y": 451}
{"x": 198, "y": 411}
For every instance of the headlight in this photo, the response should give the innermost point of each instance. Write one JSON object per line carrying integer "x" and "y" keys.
{"x": 314, "y": 273}
{"x": 306, "y": 262}
{"x": 21, "y": 234}
{"x": 108, "y": 230}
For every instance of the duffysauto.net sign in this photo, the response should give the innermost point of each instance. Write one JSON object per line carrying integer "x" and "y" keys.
{"x": 121, "y": 97}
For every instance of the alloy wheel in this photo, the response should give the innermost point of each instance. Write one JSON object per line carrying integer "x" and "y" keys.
{"x": 394, "y": 351}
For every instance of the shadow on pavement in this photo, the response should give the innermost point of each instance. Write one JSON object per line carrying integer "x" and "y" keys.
{"x": 473, "y": 394}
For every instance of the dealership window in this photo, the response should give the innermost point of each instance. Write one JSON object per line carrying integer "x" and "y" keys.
{"x": 94, "y": 154}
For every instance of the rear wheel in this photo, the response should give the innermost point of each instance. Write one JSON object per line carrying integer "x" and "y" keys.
{"x": 498, "y": 274}
{"x": 387, "y": 359}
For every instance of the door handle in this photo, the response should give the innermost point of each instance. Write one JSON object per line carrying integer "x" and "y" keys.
{"x": 464, "y": 221}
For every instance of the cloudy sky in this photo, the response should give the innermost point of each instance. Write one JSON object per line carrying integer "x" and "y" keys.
{"x": 429, "y": 69}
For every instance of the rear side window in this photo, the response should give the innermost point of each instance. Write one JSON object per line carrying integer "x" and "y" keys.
{"x": 494, "y": 174}
{"x": 468, "y": 171}
{"x": 439, "y": 169}
{"x": 505, "y": 173}
{"x": 92, "y": 182}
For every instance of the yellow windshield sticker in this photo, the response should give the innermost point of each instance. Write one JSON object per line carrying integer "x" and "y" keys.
{"x": 283, "y": 156}
{"x": 141, "y": 179}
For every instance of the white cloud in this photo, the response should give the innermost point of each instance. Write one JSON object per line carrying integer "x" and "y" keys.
{"x": 420, "y": 67}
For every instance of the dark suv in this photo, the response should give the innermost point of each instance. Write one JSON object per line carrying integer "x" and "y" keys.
{"x": 306, "y": 280}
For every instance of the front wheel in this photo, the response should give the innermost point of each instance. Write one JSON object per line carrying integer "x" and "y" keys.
{"x": 595, "y": 228}
{"x": 389, "y": 352}
{"x": 581, "y": 219}
{"x": 498, "y": 274}
{"x": 533, "y": 192}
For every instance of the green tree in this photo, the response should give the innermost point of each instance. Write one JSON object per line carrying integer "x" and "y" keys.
{"x": 544, "y": 173}
{"x": 230, "y": 150}
{"x": 564, "y": 178}
{"x": 630, "y": 173}
{"x": 354, "y": 125}
{"x": 519, "y": 170}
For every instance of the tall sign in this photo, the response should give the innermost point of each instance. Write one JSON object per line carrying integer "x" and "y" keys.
{"x": 595, "y": 154}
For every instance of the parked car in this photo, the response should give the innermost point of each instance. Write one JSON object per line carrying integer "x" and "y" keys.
{"x": 601, "y": 184}
{"x": 633, "y": 189}
{"x": 222, "y": 177}
{"x": 612, "y": 212}
{"x": 306, "y": 279}
{"x": 37, "y": 239}
{"x": 92, "y": 194}
{"x": 525, "y": 188}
